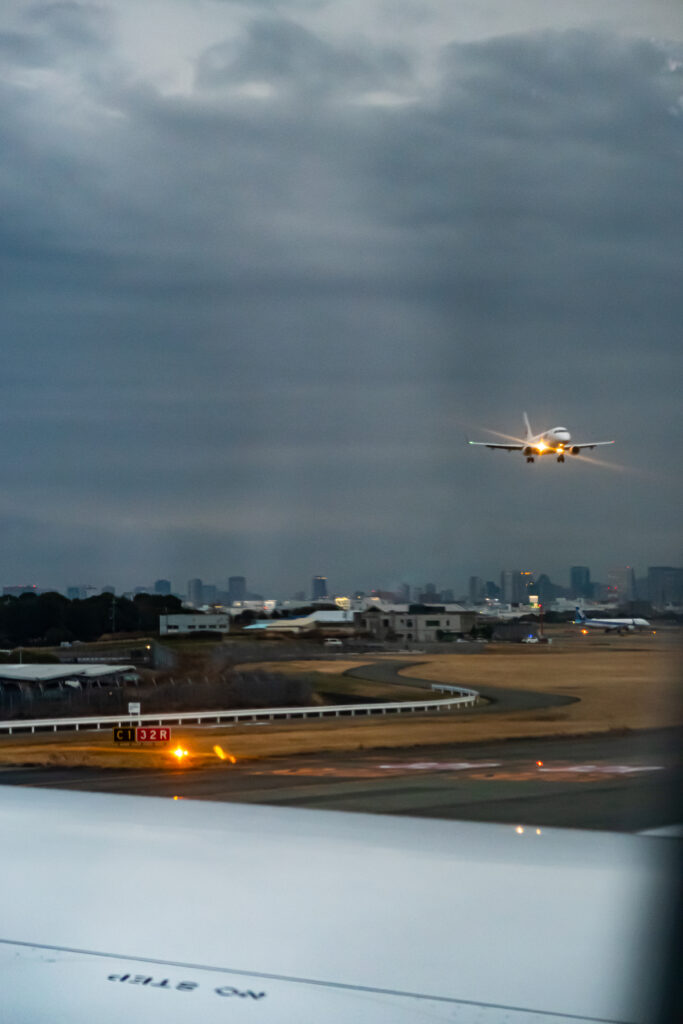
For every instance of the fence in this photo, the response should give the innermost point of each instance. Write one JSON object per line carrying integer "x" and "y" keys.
{"x": 465, "y": 698}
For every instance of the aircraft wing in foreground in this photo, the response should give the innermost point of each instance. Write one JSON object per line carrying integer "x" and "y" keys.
{"x": 119, "y": 908}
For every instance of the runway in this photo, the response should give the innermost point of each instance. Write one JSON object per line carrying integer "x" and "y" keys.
{"x": 625, "y": 782}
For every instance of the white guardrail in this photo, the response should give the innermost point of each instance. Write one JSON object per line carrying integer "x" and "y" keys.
{"x": 465, "y": 698}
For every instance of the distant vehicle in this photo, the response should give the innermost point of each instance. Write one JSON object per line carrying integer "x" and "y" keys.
{"x": 609, "y": 625}
{"x": 333, "y": 643}
{"x": 556, "y": 441}
{"x": 530, "y": 639}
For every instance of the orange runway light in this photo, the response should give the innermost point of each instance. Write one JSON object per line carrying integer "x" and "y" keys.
{"x": 179, "y": 753}
{"x": 539, "y": 764}
{"x": 585, "y": 632}
{"x": 219, "y": 752}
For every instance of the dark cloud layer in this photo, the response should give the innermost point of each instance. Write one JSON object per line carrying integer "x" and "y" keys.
{"x": 246, "y": 327}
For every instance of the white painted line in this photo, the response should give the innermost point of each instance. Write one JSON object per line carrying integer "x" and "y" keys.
{"x": 443, "y": 766}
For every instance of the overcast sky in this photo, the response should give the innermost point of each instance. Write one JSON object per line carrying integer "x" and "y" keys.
{"x": 265, "y": 264}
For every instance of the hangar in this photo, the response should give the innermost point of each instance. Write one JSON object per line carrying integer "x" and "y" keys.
{"x": 30, "y": 681}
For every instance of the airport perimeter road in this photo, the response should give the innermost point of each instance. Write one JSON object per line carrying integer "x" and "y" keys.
{"x": 627, "y": 783}
{"x": 499, "y": 698}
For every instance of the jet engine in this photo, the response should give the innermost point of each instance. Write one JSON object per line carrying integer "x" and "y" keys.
{"x": 528, "y": 451}
{"x": 574, "y": 450}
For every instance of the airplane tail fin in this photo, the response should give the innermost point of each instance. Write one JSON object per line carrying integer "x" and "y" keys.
{"x": 578, "y": 615}
{"x": 528, "y": 426}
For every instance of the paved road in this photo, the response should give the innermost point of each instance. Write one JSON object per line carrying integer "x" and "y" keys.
{"x": 625, "y": 783}
{"x": 500, "y": 699}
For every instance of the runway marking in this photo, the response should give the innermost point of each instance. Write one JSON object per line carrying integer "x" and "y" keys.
{"x": 442, "y": 766}
{"x": 605, "y": 769}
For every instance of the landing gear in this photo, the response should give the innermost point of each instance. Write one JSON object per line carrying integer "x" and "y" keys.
{"x": 529, "y": 458}
{"x": 560, "y": 458}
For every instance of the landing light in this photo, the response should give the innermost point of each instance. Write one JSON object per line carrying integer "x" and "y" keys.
{"x": 219, "y": 752}
{"x": 519, "y": 830}
{"x": 179, "y": 753}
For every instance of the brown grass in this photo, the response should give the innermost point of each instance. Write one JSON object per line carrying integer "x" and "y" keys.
{"x": 621, "y": 682}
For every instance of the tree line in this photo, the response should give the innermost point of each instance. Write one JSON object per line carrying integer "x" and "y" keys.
{"x": 53, "y": 619}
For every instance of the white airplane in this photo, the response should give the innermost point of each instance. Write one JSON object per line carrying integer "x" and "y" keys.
{"x": 556, "y": 441}
{"x": 621, "y": 625}
{"x": 147, "y": 909}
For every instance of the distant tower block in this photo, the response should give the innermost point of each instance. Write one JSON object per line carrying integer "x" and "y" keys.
{"x": 319, "y": 588}
{"x": 237, "y": 589}
{"x": 195, "y": 592}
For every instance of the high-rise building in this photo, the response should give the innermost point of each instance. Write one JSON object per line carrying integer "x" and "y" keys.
{"x": 476, "y": 590}
{"x": 237, "y": 589}
{"x": 516, "y": 585}
{"x": 208, "y": 593}
{"x": 621, "y": 583}
{"x": 664, "y": 585}
{"x": 162, "y": 587}
{"x": 429, "y": 595}
{"x": 319, "y": 588}
{"x": 195, "y": 592}
{"x": 403, "y": 593}
{"x": 580, "y": 581}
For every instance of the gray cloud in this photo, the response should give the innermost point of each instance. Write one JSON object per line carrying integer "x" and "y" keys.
{"x": 248, "y": 331}
{"x": 286, "y": 55}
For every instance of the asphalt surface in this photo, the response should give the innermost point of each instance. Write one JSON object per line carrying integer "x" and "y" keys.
{"x": 499, "y": 698}
{"x": 627, "y": 782}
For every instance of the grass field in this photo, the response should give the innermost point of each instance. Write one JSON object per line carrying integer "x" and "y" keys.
{"x": 622, "y": 683}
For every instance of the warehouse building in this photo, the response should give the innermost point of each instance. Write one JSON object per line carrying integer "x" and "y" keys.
{"x": 420, "y": 623}
{"x": 178, "y": 625}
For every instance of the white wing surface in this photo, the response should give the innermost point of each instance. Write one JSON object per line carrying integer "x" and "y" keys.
{"x": 505, "y": 447}
{"x": 138, "y": 909}
{"x": 590, "y": 444}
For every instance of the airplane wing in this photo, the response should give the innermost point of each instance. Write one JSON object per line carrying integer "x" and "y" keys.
{"x": 144, "y": 909}
{"x": 591, "y": 444}
{"x": 505, "y": 447}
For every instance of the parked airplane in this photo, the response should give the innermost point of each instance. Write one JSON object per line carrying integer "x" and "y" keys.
{"x": 551, "y": 442}
{"x": 621, "y": 625}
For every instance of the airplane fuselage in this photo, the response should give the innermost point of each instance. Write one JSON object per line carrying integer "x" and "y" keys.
{"x": 609, "y": 625}
{"x": 550, "y": 442}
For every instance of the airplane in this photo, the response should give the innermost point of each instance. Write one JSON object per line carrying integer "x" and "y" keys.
{"x": 621, "y": 625}
{"x": 556, "y": 441}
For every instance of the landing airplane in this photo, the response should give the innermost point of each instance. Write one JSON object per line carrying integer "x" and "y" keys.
{"x": 551, "y": 442}
{"x": 620, "y": 625}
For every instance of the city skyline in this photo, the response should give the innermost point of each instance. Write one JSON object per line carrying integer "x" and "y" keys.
{"x": 264, "y": 267}
{"x": 237, "y": 588}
